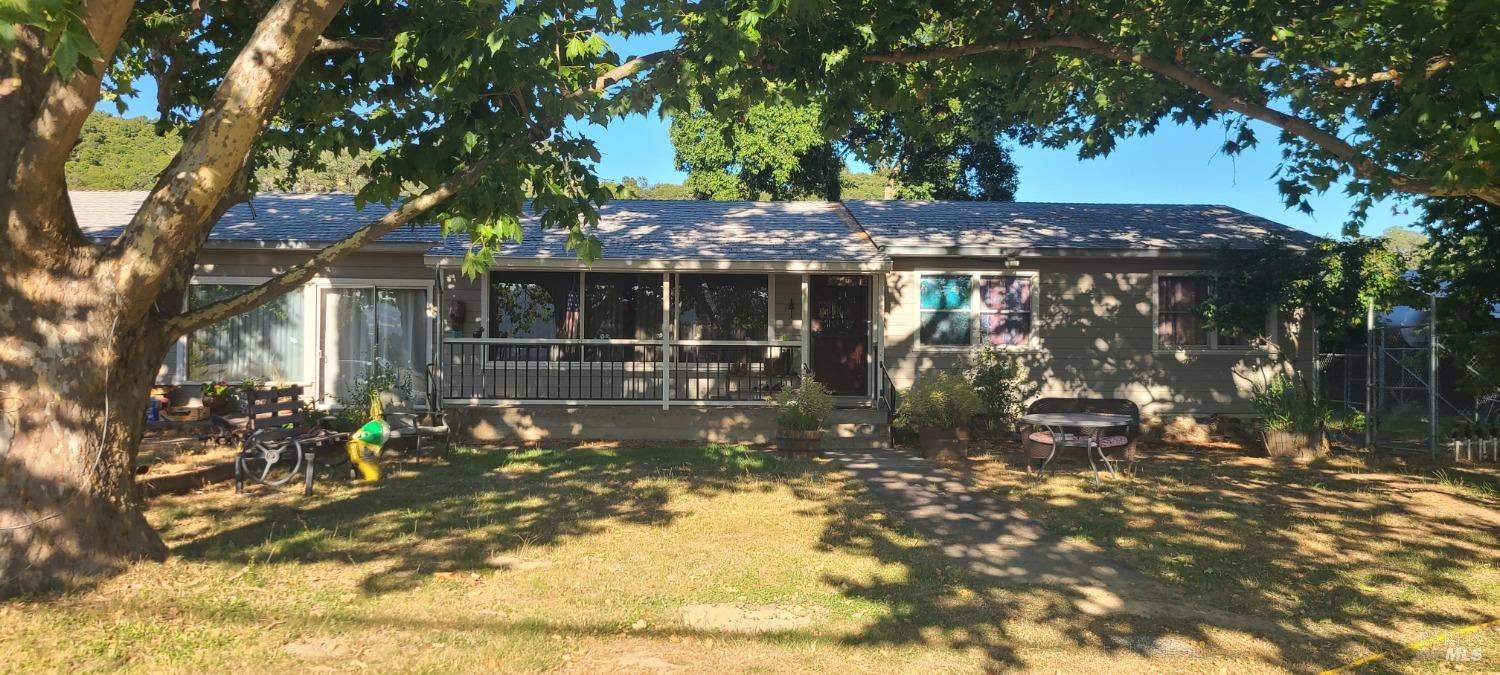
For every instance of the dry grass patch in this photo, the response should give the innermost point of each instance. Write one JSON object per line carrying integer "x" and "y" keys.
{"x": 1360, "y": 555}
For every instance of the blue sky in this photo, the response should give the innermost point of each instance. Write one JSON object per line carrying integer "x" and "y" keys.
{"x": 1177, "y": 164}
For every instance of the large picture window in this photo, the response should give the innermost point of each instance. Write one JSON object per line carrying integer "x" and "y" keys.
{"x": 723, "y": 307}
{"x": 534, "y": 305}
{"x": 263, "y": 344}
{"x": 1180, "y": 323}
{"x": 968, "y": 308}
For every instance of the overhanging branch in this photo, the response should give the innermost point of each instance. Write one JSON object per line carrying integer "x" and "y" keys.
{"x": 1218, "y": 96}
{"x": 410, "y": 211}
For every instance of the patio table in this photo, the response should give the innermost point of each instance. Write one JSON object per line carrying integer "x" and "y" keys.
{"x": 1094, "y": 424}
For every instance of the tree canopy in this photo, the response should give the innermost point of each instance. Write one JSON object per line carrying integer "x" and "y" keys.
{"x": 782, "y": 151}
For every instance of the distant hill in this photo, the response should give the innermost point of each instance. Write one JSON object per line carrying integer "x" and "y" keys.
{"x": 114, "y": 153}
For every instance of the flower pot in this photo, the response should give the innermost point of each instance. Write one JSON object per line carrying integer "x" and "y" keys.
{"x": 1297, "y": 446}
{"x": 943, "y": 444}
{"x": 794, "y": 440}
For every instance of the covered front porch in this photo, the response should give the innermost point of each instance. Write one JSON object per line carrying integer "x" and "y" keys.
{"x": 655, "y": 333}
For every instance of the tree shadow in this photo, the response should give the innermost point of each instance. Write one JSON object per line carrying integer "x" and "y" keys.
{"x": 1341, "y": 559}
{"x": 457, "y": 516}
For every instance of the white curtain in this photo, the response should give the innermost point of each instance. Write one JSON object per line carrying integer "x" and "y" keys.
{"x": 401, "y": 325}
{"x": 263, "y": 344}
{"x": 348, "y": 338}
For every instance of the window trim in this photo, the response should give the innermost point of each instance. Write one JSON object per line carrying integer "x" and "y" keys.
{"x": 976, "y": 308}
{"x": 1264, "y": 346}
{"x": 317, "y": 285}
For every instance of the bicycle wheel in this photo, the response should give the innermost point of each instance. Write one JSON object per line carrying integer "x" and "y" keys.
{"x": 272, "y": 462}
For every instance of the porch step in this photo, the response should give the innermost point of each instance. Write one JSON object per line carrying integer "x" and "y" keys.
{"x": 857, "y": 429}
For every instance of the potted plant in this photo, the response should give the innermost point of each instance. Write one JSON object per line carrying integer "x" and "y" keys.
{"x": 939, "y": 408}
{"x": 800, "y": 412}
{"x": 1292, "y": 420}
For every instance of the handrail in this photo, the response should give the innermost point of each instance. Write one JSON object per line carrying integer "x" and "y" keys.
{"x": 616, "y": 341}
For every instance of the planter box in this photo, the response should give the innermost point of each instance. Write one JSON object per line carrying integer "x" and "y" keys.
{"x": 790, "y": 440}
{"x": 944, "y": 444}
{"x": 1294, "y": 445}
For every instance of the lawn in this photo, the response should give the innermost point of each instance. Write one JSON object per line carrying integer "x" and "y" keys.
{"x": 721, "y": 558}
{"x": 1360, "y": 554}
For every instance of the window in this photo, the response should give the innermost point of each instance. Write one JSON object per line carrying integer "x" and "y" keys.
{"x": 368, "y": 327}
{"x": 723, "y": 307}
{"x": 264, "y": 343}
{"x": 534, "y": 305}
{"x": 622, "y": 306}
{"x": 964, "y": 309}
{"x": 1005, "y": 306}
{"x": 1179, "y": 325}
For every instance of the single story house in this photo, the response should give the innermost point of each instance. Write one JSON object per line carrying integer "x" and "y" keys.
{"x": 699, "y": 310}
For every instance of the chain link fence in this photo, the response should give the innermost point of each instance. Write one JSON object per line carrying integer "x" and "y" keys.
{"x": 1412, "y": 390}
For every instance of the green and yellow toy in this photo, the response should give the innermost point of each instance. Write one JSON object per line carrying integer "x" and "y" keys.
{"x": 364, "y": 444}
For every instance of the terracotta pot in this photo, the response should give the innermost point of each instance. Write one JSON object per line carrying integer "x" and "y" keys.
{"x": 944, "y": 444}
{"x": 793, "y": 440}
{"x": 1298, "y": 446}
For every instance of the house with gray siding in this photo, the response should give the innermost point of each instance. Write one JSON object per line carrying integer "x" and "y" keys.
{"x": 698, "y": 311}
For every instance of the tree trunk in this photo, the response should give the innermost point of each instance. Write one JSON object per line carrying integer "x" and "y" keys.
{"x": 73, "y": 388}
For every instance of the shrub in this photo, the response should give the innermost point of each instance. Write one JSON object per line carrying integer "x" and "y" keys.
{"x": 355, "y": 401}
{"x": 803, "y": 407}
{"x": 1001, "y": 382}
{"x": 1286, "y": 403}
{"x": 941, "y": 401}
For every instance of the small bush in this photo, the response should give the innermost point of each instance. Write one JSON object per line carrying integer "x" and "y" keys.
{"x": 941, "y": 401}
{"x": 1002, "y": 384}
{"x": 1286, "y": 403}
{"x": 355, "y": 401}
{"x": 803, "y": 407}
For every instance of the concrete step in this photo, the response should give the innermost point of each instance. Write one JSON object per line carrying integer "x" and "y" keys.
{"x": 857, "y": 429}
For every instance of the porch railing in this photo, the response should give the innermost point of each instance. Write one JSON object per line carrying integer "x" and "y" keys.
{"x": 635, "y": 371}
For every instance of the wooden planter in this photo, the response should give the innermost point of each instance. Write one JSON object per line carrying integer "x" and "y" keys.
{"x": 1297, "y": 446}
{"x": 944, "y": 444}
{"x": 792, "y": 440}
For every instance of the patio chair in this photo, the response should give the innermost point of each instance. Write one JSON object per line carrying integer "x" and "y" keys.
{"x": 409, "y": 424}
{"x": 1116, "y": 443}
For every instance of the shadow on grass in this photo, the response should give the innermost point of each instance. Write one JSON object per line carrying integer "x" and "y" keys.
{"x": 1344, "y": 552}
{"x": 1232, "y": 543}
{"x": 456, "y": 516}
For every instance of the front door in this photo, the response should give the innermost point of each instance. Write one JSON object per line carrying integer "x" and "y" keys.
{"x": 840, "y": 309}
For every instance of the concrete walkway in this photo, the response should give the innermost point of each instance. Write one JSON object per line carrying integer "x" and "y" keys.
{"x": 995, "y": 540}
{"x": 987, "y": 535}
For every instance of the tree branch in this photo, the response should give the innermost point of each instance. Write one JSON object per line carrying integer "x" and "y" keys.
{"x": 408, "y": 212}
{"x": 1218, "y": 96}
{"x": 174, "y": 220}
{"x": 326, "y": 45}
{"x": 42, "y": 115}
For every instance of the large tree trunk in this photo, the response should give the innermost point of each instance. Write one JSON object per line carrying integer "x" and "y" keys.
{"x": 73, "y": 387}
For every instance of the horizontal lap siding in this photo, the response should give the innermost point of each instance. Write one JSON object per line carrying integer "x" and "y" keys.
{"x": 1094, "y": 329}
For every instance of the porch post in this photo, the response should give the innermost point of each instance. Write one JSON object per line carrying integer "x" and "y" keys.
{"x": 667, "y": 321}
{"x": 437, "y": 343}
{"x": 877, "y": 339}
{"x": 806, "y": 323}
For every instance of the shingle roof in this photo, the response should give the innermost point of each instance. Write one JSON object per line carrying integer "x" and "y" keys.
{"x": 704, "y": 230}
{"x": 939, "y": 227}
{"x": 755, "y": 231}
{"x": 271, "y": 217}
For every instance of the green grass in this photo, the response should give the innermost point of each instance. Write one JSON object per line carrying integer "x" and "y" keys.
{"x": 592, "y": 559}
{"x": 1364, "y": 557}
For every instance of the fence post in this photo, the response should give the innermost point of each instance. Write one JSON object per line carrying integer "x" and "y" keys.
{"x": 1370, "y": 374}
{"x": 1432, "y": 376}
